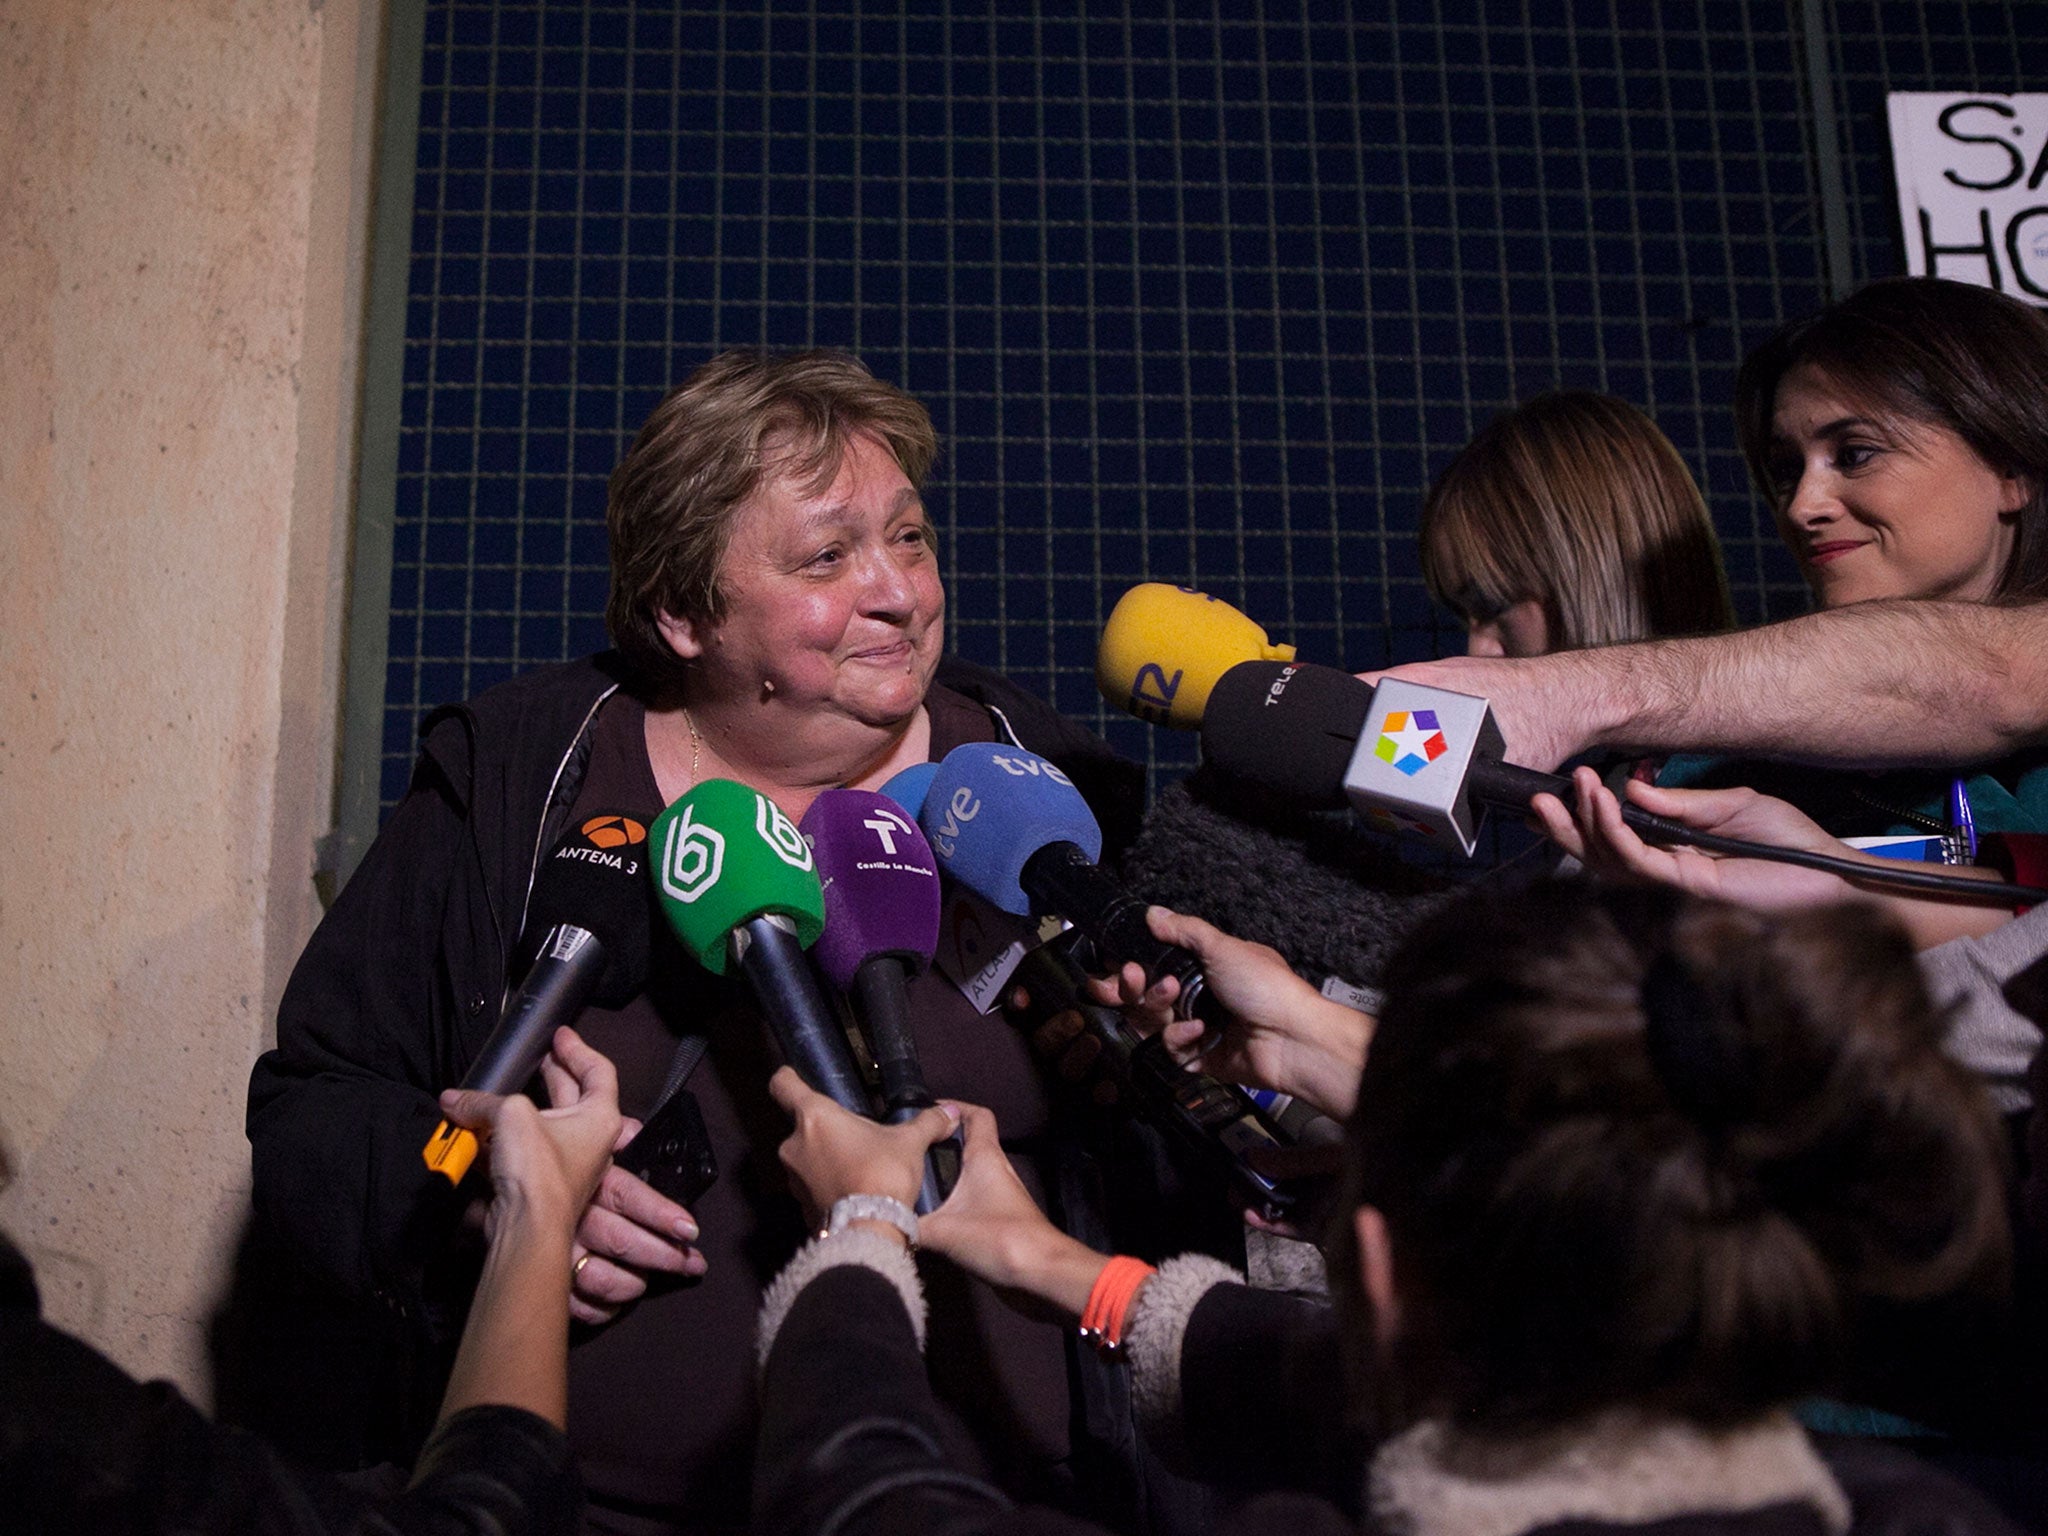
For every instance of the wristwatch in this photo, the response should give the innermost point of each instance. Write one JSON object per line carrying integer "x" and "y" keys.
{"x": 852, "y": 1208}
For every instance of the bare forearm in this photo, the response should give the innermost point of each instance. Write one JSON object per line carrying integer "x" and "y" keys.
{"x": 1043, "y": 1262}
{"x": 1327, "y": 1056}
{"x": 515, "y": 1349}
{"x": 1878, "y": 683}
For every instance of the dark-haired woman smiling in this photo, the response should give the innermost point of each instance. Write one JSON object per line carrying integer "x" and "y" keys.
{"x": 1901, "y": 439}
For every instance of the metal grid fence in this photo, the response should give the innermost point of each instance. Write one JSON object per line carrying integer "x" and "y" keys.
{"x": 1196, "y": 293}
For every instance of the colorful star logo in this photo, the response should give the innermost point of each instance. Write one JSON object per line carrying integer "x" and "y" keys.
{"x": 1410, "y": 740}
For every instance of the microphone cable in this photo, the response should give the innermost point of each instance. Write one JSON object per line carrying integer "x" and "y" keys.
{"x": 1506, "y": 785}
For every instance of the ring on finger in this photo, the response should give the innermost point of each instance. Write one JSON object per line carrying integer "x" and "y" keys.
{"x": 576, "y": 1269}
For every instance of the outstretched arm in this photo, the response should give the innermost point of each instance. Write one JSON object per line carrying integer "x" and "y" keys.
{"x": 1595, "y": 834}
{"x": 545, "y": 1165}
{"x": 1876, "y": 684}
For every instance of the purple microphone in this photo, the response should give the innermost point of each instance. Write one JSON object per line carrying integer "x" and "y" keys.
{"x": 881, "y": 925}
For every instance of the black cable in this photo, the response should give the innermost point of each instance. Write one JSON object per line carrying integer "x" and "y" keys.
{"x": 1512, "y": 787}
{"x": 1904, "y": 877}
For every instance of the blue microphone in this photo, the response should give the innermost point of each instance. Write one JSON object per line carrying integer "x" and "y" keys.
{"x": 909, "y": 787}
{"x": 1012, "y": 828}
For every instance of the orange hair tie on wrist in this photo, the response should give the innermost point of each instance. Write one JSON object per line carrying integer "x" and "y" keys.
{"x": 1109, "y": 1300}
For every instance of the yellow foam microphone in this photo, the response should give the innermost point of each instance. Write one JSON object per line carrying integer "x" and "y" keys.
{"x": 1164, "y": 647}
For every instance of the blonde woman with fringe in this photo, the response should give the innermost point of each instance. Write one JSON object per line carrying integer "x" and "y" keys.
{"x": 1568, "y": 522}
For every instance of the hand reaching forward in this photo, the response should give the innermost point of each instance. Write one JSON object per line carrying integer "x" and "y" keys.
{"x": 545, "y": 1163}
{"x": 1280, "y": 1033}
{"x": 1596, "y": 835}
{"x": 992, "y": 1228}
{"x": 833, "y": 1153}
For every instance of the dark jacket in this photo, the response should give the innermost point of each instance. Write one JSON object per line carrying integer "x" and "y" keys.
{"x": 84, "y": 1447}
{"x": 400, "y": 985}
{"x": 849, "y": 1444}
{"x": 395, "y": 994}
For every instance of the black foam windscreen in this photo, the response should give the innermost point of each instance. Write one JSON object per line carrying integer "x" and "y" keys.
{"x": 596, "y": 878}
{"x": 1286, "y": 727}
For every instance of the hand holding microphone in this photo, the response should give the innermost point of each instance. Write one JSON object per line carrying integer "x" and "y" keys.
{"x": 1278, "y": 1032}
{"x": 1409, "y": 758}
{"x": 831, "y": 1154}
{"x": 1012, "y": 828}
{"x": 590, "y": 911}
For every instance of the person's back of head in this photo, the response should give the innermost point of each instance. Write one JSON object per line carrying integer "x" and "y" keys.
{"x": 1576, "y": 501}
{"x": 1635, "y": 1149}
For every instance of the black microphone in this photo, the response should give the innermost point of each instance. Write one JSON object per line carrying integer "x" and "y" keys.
{"x": 591, "y": 915}
{"x": 1410, "y": 758}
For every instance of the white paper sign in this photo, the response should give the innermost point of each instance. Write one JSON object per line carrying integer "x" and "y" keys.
{"x": 1972, "y": 175}
{"x": 980, "y": 945}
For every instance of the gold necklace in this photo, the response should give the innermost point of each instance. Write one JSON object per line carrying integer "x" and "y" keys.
{"x": 696, "y": 746}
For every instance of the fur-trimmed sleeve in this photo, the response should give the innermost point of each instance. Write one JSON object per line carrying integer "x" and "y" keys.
{"x": 1153, "y": 1337}
{"x": 870, "y": 1250}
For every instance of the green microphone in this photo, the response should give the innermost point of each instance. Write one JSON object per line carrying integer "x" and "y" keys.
{"x": 737, "y": 883}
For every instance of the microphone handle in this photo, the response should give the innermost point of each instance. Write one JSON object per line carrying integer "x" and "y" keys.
{"x": 1061, "y": 878}
{"x": 1511, "y": 788}
{"x": 803, "y": 1023}
{"x": 564, "y": 975}
{"x": 941, "y": 1161}
{"x": 881, "y": 996}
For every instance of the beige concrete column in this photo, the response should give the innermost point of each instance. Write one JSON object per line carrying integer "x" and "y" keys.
{"x": 183, "y": 186}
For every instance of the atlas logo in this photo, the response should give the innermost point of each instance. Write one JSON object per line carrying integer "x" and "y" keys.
{"x": 613, "y": 832}
{"x": 692, "y": 857}
{"x": 780, "y": 833}
{"x": 1410, "y": 740}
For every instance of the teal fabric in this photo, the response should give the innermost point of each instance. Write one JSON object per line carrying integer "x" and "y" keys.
{"x": 2007, "y": 796}
{"x": 1826, "y": 1416}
